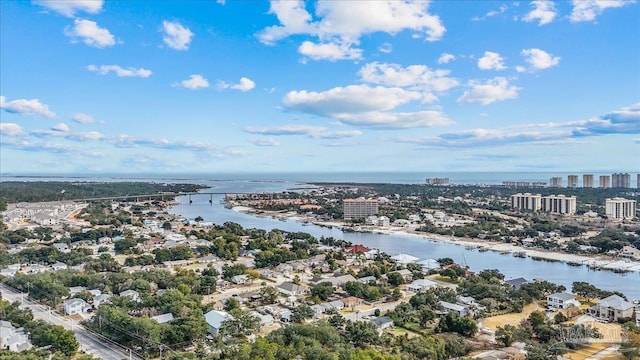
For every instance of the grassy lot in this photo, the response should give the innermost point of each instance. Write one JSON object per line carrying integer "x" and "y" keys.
{"x": 591, "y": 350}
{"x": 401, "y": 332}
{"x": 513, "y": 318}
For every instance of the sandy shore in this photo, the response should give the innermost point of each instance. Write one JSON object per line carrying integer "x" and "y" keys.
{"x": 593, "y": 261}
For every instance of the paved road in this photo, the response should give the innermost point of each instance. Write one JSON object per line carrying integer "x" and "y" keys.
{"x": 89, "y": 343}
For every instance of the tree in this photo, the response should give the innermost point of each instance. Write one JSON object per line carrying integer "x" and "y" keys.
{"x": 301, "y": 312}
{"x": 506, "y": 335}
{"x": 395, "y": 279}
{"x": 231, "y": 304}
{"x": 585, "y": 290}
{"x": 268, "y": 295}
{"x": 453, "y": 322}
{"x": 537, "y": 318}
{"x": 362, "y": 333}
{"x": 322, "y": 290}
{"x": 166, "y": 225}
{"x": 43, "y": 334}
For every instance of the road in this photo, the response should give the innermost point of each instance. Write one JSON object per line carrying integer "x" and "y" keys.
{"x": 89, "y": 343}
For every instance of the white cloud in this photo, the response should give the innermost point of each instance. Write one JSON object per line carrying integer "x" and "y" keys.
{"x": 62, "y": 127}
{"x": 176, "y": 36}
{"x": 445, "y": 58}
{"x": 386, "y": 48}
{"x": 90, "y": 33}
{"x": 83, "y": 118}
{"x": 415, "y": 77}
{"x": 349, "y": 99}
{"x": 11, "y": 129}
{"x": 26, "y": 107}
{"x": 492, "y": 90}
{"x": 70, "y": 7}
{"x": 396, "y": 120}
{"x": 265, "y": 142}
{"x": 538, "y": 59}
{"x": 120, "y": 71}
{"x": 244, "y": 85}
{"x": 329, "y": 51}
{"x": 491, "y": 61}
{"x": 544, "y": 11}
{"x": 342, "y": 23}
{"x": 588, "y": 10}
{"x": 315, "y": 132}
{"x": 194, "y": 82}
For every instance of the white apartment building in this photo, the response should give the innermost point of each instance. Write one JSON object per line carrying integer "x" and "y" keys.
{"x": 359, "y": 208}
{"x": 620, "y": 208}
{"x": 526, "y": 201}
{"x": 559, "y": 204}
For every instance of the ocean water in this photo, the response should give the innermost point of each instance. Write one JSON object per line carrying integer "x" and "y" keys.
{"x": 414, "y": 177}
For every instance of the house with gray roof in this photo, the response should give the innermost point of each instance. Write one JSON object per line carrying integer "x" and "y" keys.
{"x": 163, "y": 318}
{"x": 13, "y": 339}
{"x": 517, "y": 283}
{"x": 448, "y": 307}
{"x": 291, "y": 289}
{"x": 215, "y": 319}
{"x": 562, "y": 300}
{"x": 612, "y": 308}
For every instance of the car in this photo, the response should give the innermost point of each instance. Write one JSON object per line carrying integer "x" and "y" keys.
{"x": 89, "y": 310}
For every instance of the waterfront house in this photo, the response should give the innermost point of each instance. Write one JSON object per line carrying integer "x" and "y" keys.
{"x": 612, "y": 308}
{"x": 404, "y": 259}
{"x": 429, "y": 264}
{"x": 562, "y": 300}
{"x": 75, "y": 306}
{"x": 516, "y": 283}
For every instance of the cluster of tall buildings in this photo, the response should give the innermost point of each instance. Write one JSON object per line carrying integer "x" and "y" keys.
{"x": 437, "y": 181}
{"x": 616, "y": 180}
{"x": 555, "y": 204}
{"x": 615, "y": 208}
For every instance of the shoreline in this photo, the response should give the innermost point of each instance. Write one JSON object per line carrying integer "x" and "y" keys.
{"x": 595, "y": 262}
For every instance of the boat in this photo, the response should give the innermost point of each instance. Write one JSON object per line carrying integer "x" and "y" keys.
{"x": 520, "y": 254}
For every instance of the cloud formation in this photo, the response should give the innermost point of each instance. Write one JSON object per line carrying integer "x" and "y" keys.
{"x": 538, "y": 60}
{"x": 315, "y": 132}
{"x": 544, "y": 11}
{"x": 491, "y": 61}
{"x": 588, "y": 10}
{"x": 492, "y": 90}
{"x": 120, "y": 71}
{"x": 62, "y": 127}
{"x": 26, "y": 107}
{"x": 446, "y": 58}
{"x": 194, "y": 82}
{"x": 265, "y": 142}
{"x": 244, "y": 85}
{"x": 11, "y": 129}
{"x": 69, "y": 8}
{"x": 176, "y": 36}
{"x": 90, "y": 33}
{"x": 414, "y": 77}
{"x": 340, "y": 24}
{"x": 83, "y": 118}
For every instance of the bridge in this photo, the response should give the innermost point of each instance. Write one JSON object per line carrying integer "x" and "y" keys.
{"x": 161, "y": 196}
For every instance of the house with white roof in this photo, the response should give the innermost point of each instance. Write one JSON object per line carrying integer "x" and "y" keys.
{"x": 456, "y": 308}
{"x": 134, "y": 295}
{"x": 163, "y": 318}
{"x": 75, "y": 306}
{"x": 421, "y": 285}
{"x": 404, "y": 259}
{"x": 612, "y": 308}
{"x": 13, "y": 339}
{"x": 291, "y": 289}
{"x": 215, "y": 319}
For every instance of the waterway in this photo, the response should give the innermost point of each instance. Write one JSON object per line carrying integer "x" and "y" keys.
{"x": 510, "y": 266}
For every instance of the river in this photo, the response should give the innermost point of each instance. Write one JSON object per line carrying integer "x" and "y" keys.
{"x": 510, "y": 266}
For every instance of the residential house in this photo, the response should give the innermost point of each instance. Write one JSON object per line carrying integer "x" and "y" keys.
{"x": 285, "y": 316}
{"x": 612, "y": 308}
{"x": 406, "y": 274}
{"x": 100, "y": 299}
{"x": 352, "y": 302}
{"x": 421, "y": 285}
{"x": 382, "y": 322}
{"x": 404, "y": 259}
{"x": 367, "y": 279}
{"x": 338, "y": 280}
{"x": 562, "y": 300}
{"x": 215, "y": 319}
{"x": 317, "y": 310}
{"x": 75, "y": 306}
{"x": 62, "y": 247}
{"x": 73, "y": 290}
{"x": 265, "y": 319}
{"x": 336, "y": 304}
{"x": 36, "y": 269}
{"x": 516, "y": 283}
{"x": 448, "y": 307}
{"x": 630, "y": 252}
{"x": 59, "y": 266}
{"x": 291, "y": 289}
{"x": 134, "y": 295}
{"x": 13, "y": 339}
{"x": 240, "y": 279}
{"x": 163, "y": 318}
{"x": 357, "y": 249}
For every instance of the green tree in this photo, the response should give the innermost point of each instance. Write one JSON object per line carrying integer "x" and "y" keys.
{"x": 301, "y": 312}
{"x": 395, "y": 279}
{"x": 322, "y": 290}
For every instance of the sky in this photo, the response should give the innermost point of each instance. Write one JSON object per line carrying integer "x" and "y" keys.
{"x": 91, "y": 86}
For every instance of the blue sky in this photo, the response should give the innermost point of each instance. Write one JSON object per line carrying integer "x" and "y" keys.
{"x": 287, "y": 86}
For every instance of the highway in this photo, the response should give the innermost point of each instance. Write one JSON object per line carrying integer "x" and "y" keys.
{"x": 90, "y": 343}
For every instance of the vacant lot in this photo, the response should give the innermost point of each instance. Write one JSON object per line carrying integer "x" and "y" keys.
{"x": 513, "y": 319}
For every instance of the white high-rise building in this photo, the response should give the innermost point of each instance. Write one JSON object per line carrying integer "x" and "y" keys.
{"x": 526, "y": 201}
{"x": 555, "y": 181}
{"x": 559, "y": 204}
{"x": 605, "y": 181}
{"x": 620, "y": 208}
{"x": 359, "y": 208}
{"x": 587, "y": 180}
